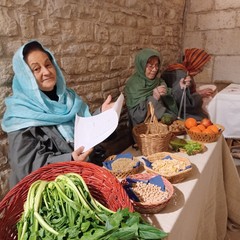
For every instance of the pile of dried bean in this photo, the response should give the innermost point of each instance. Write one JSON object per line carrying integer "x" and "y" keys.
{"x": 149, "y": 193}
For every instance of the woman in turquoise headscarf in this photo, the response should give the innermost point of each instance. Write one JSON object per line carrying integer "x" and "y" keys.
{"x": 145, "y": 86}
{"x": 39, "y": 116}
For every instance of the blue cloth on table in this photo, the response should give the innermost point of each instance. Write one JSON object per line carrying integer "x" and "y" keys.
{"x": 108, "y": 164}
{"x": 187, "y": 167}
{"x": 124, "y": 155}
{"x": 131, "y": 193}
{"x": 168, "y": 157}
{"x": 147, "y": 162}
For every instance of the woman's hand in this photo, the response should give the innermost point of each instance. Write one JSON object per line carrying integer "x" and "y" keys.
{"x": 185, "y": 82}
{"x": 107, "y": 104}
{"x": 79, "y": 155}
{"x": 159, "y": 91}
{"x": 207, "y": 92}
{"x": 162, "y": 90}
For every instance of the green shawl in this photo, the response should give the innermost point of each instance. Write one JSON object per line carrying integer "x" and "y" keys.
{"x": 138, "y": 87}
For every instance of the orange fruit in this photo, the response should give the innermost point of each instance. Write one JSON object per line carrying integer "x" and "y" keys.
{"x": 195, "y": 129}
{"x": 214, "y": 128}
{"x": 207, "y": 130}
{"x": 206, "y": 122}
{"x": 201, "y": 127}
{"x": 190, "y": 122}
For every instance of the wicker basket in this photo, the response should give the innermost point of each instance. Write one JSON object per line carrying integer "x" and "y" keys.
{"x": 151, "y": 136}
{"x": 174, "y": 177}
{"x": 143, "y": 207}
{"x": 205, "y": 137}
{"x": 177, "y": 128}
{"x": 103, "y": 186}
{"x": 123, "y": 174}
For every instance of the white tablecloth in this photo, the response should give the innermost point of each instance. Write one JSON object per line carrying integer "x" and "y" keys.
{"x": 224, "y": 109}
{"x": 206, "y": 202}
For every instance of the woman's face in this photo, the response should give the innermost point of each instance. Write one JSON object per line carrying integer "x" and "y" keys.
{"x": 42, "y": 69}
{"x": 152, "y": 68}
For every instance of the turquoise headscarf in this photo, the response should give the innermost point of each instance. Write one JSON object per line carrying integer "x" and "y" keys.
{"x": 29, "y": 106}
{"x": 138, "y": 87}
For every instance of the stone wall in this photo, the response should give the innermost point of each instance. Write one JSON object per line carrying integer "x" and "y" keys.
{"x": 215, "y": 26}
{"x": 94, "y": 41}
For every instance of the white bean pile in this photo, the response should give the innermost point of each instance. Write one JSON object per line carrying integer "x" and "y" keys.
{"x": 149, "y": 193}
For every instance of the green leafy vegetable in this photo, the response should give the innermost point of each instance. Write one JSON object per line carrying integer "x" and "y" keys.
{"x": 193, "y": 147}
{"x": 64, "y": 209}
{"x": 177, "y": 143}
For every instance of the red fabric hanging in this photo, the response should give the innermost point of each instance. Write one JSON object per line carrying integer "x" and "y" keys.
{"x": 194, "y": 60}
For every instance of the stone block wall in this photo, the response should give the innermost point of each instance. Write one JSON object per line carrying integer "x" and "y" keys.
{"x": 94, "y": 41}
{"x": 214, "y": 26}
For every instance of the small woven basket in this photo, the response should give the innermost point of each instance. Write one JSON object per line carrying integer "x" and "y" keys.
{"x": 171, "y": 177}
{"x": 151, "y": 136}
{"x": 177, "y": 128}
{"x": 156, "y": 207}
{"x": 103, "y": 186}
{"x": 205, "y": 137}
{"x": 122, "y": 174}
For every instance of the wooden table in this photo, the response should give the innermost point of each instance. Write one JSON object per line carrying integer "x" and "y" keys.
{"x": 207, "y": 201}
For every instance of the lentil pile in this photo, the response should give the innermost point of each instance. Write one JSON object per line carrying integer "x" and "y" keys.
{"x": 150, "y": 193}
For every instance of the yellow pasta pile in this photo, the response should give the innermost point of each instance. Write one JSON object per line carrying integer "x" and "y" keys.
{"x": 168, "y": 167}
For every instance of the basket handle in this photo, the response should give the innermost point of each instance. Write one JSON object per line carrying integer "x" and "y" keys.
{"x": 151, "y": 117}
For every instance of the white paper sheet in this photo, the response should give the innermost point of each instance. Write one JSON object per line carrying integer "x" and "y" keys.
{"x": 89, "y": 131}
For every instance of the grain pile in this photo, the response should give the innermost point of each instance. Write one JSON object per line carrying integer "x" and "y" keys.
{"x": 123, "y": 164}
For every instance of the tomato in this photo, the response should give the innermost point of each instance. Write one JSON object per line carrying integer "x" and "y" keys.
{"x": 206, "y": 122}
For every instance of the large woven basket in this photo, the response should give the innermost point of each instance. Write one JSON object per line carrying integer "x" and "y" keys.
{"x": 151, "y": 136}
{"x": 103, "y": 186}
{"x": 205, "y": 137}
{"x": 172, "y": 177}
{"x": 155, "y": 207}
{"x": 123, "y": 174}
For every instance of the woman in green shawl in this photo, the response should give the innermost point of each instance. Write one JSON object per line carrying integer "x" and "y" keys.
{"x": 145, "y": 86}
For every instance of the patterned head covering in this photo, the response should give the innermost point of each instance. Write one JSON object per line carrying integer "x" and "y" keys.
{"x": 194, "y": 60}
